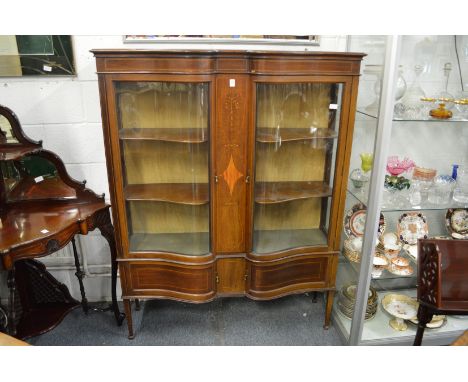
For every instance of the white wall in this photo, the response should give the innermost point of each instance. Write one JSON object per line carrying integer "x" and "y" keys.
{"x": 65, "y": 114}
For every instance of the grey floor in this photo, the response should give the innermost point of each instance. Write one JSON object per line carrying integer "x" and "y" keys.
{"x": 292, "y": 320}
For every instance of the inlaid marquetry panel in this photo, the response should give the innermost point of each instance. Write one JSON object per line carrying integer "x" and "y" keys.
{"x": 230, "y": 162}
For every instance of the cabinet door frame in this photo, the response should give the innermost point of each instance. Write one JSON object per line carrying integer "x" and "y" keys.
{"x": 343, "y": 153}
{"x": 114, "y": 165}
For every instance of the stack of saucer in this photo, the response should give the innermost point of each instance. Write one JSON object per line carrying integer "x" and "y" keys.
{"x": 347, "y": 299}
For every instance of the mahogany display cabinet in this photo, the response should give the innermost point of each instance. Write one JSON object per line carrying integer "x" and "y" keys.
{"x": 226, "y": 170}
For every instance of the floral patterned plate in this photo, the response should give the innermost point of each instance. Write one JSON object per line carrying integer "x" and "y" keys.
{"x": 411, "y": 227}
{"x": 456, "y": 220}
{"x": 355, "y": 221}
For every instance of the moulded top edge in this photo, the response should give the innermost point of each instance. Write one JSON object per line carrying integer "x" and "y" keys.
{"x": 214, "y": 52}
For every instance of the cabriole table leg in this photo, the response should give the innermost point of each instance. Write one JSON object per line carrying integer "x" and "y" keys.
{"x": 107, "y": 231}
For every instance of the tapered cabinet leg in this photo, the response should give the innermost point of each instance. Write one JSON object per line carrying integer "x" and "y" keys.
{"x": 424, "y": 316}
{"x": 314, "y": 297}
{"x": 79, "y": 275}
{"x": 328, "y": 309}
{"x": 11, "y": 308}
{"x": 107, "y": 230}
{"x": 128, "y": 313}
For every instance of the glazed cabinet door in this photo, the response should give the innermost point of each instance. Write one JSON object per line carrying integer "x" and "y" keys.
{"x": 299, "y": 154}
{"x": 163, "y": 130}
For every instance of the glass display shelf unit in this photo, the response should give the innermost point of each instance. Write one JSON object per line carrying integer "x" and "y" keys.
{"x": 432, "y": 144}
{"x": 404, "y": 204}
{"x": 377, "y": 331}
{"x": 428, "y": 119}
{"x": 386, "y": 274}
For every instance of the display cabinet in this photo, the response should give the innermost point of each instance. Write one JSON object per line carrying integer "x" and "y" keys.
{"x": 226, "y": 170}
{"x": 409, "y": 194}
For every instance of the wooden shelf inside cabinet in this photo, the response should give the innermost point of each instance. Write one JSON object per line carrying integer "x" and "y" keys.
{"x": 15, "y": 152}
{"x": 266, "y": 241}
{"x": 278, "y": 192}
{"x": 188, "y": 243}
{"x": 272, "y": 134}
{"x": 183, "y": 193}
{"x": 182, "y": 135}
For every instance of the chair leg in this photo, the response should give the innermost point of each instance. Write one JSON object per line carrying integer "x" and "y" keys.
{"x": 424, "y": 316}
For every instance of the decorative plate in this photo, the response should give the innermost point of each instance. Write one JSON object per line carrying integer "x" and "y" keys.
{"x": 400, "y": 271}
{"x": 456, "y": 220}
{"x": 411, "y": 251}
{"x": 355, "y": 221}
{"x": 436, "y": 322}
{"x": 411, "y": 227}
{"x": 400, "y": 305}
{"x": 400, "y": 261}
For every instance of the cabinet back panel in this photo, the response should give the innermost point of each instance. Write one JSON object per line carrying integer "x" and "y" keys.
{"x": 298, "y": 214}
{"x": 165, "y": 162}
{"x": 290, "y": 161}
{"x": 162, "y": 217}
{"x": 163, "y": 105}
{"x": 299, "y": 105}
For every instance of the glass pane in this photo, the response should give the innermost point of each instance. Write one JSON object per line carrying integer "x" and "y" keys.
{"x": 34, "y": 177}
{"x": 164, "y": 143}
{"x": 361, "y": 161}
{"x": 296, "y": 136}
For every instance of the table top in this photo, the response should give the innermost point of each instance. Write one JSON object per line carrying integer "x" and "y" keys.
{"x": 28, "y": 222}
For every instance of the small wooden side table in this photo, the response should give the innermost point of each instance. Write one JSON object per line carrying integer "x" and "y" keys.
{"x": 42, "y": 208}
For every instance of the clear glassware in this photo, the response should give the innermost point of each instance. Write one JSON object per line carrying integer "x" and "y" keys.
{"x": 375, "y": 70}
{"x": 412, "y": 98}
{"x": 461, "y": 105}
{"x": 440, "y": 192}
{"x": 422, "y": 182}
{"x": 415, "y": 197}
{"x": 400, "y": 85}
{"x": 444, "y": 96}
{"x": 460, "y": 193}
